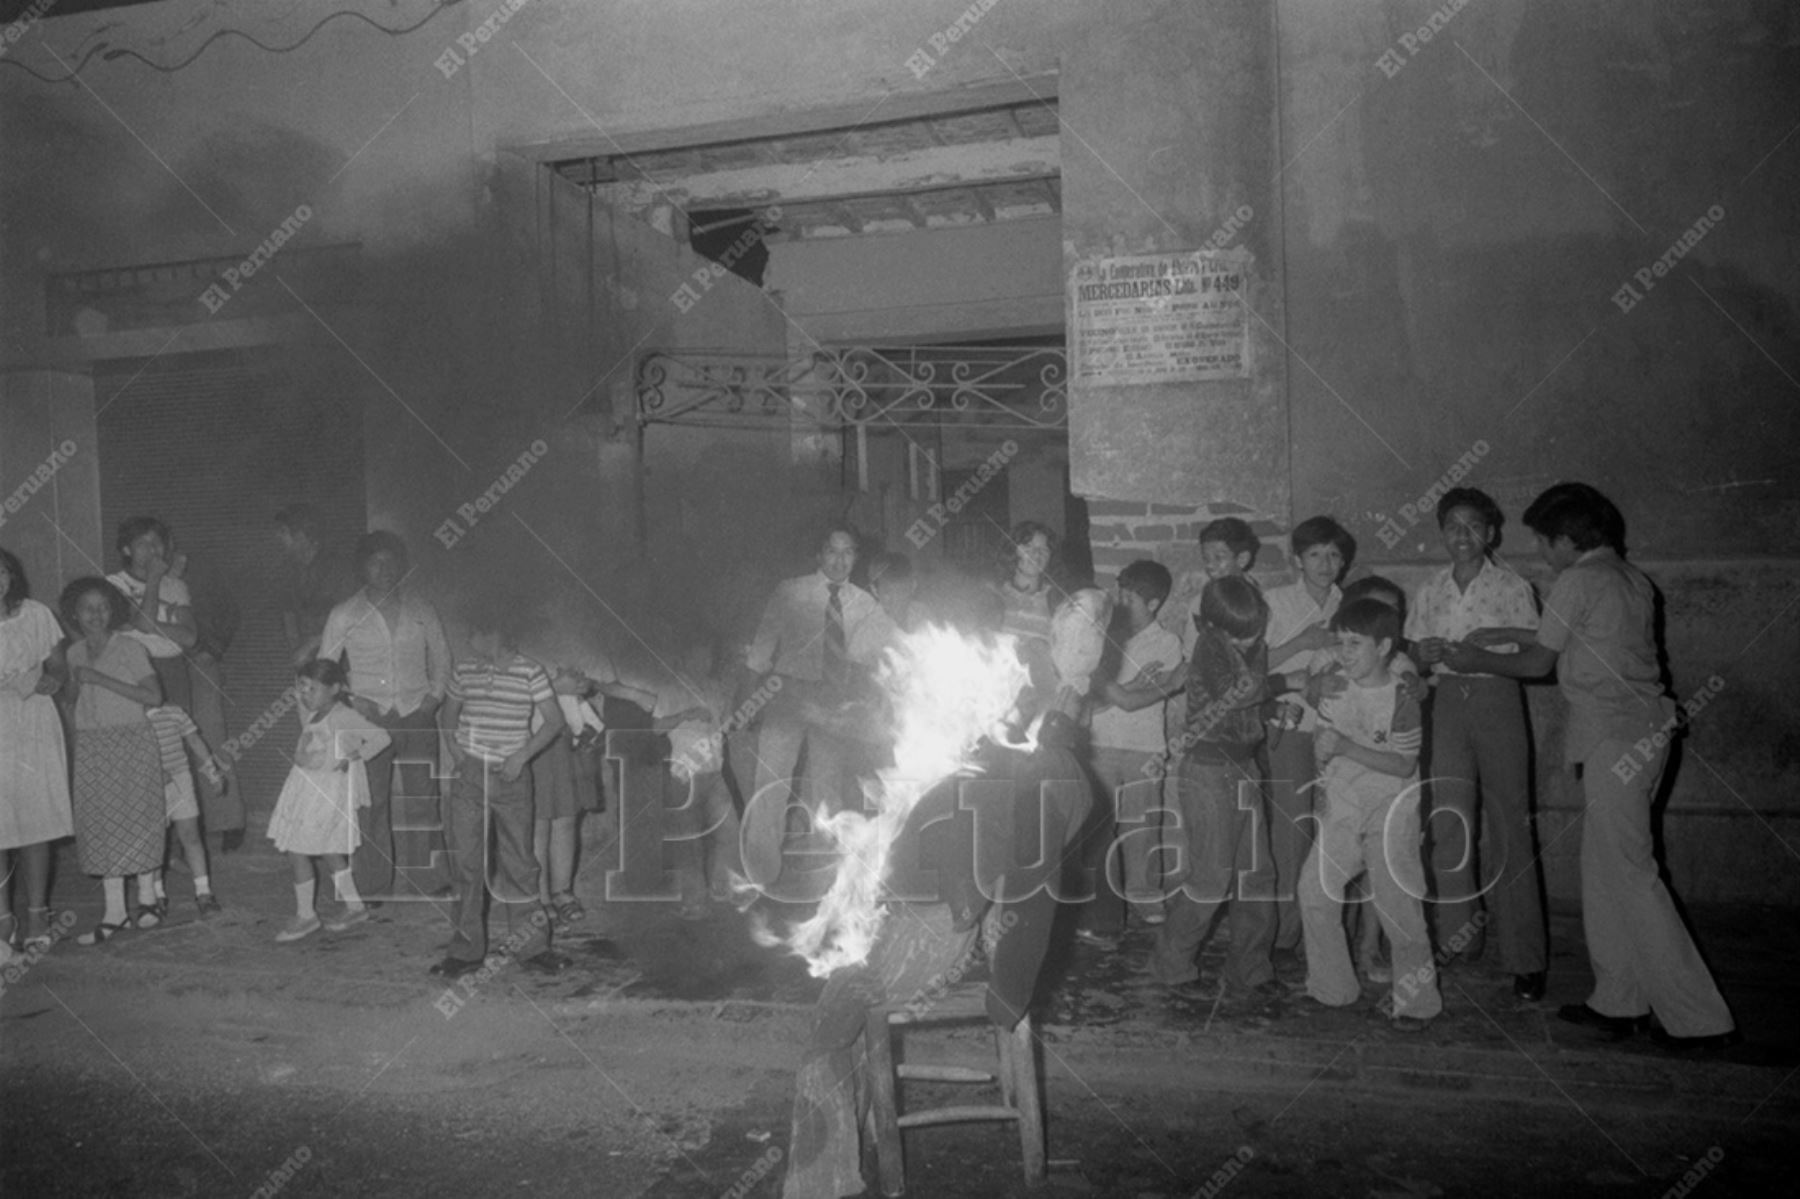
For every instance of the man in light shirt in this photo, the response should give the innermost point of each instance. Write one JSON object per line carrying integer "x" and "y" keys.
{"x": 1599, "y": 635}
{"x": 1480, "y": 752}
{"x": 399, "y": 664}
{"x": 821, "y": 633}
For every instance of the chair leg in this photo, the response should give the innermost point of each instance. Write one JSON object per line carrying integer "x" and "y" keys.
{"x": 884, "y": 1104}
{"x": 1028, "y": 1098}
{"x": 1009, "y": 1075}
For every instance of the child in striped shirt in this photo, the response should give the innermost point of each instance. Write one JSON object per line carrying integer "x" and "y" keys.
{"x": 175, "y": 735}
{"x": 493, "y": 695}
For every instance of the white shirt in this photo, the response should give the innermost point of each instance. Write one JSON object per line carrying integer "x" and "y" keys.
{"x": 1496, "y": 598}
{"x": 398, "y": 669}
{"x": 791, "y": 638}
{"x": 696, "y": 745}
{"x": 171, "y": 595}
{"x": 1291, "y": 609}
{"x": 1151, "y": 647}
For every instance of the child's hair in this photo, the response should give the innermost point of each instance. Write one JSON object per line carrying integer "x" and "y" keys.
{"x": 1147, "y": 579}
{"x": 135, "y": 527}
{"x": 1235, "y": 606}
{"x": 18, "y": 589}
{"x": 895, "y": 567}
{"x": 327, "y": 671}
{"x": 1322, "y": 530}
{"x": 1370, "y": 618}
{"x": 1580, "y": 513}
{"x": 380, "y": 542}
{"x": 1471, "y": 497}
{"x": 507, "y": 619}
{"x": 1234, "y": 534}
{"x": 1377, "y": 587}
{"x": 71, "y": 597}
{"x": 300, "y": 520}
{"x": 1021, "y": 536}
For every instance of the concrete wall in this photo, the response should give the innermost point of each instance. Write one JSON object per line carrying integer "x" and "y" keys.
{"x": 1464, "y": 207}
{"x": 1169, "y": 131}
{"x": 49, "y": 478}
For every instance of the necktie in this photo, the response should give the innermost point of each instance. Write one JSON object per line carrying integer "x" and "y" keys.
{"x": 837, "y": 657}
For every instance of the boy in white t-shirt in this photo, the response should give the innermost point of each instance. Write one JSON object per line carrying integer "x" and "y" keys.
{"x": 1366, "y": 749}
{"x": 1128, "y": 747}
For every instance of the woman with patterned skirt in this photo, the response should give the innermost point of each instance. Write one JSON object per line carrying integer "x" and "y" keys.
{"x": 118, "y": 792}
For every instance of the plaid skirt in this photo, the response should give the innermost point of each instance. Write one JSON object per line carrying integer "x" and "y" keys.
{"x": 118, "y": 801}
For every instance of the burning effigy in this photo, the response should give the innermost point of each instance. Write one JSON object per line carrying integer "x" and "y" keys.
{"x": 947, "y": 692}
{"x": 970, "y": 830}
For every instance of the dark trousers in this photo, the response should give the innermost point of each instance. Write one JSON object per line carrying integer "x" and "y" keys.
{"x": 1480, "y": 772}
{"x": 1291, "y": 825}
{"x": 402, "y": 832}
{"x": 1222, "y": 852}
{"x": 221, "y": 807}
{"x": 479, "y": 795}
{"x": 1119, "y": 856}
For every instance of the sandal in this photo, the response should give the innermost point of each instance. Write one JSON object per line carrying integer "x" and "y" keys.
{"x": 103, "y": 932}
{"x": 39, "y": 941}
{"x": 149, "y": 915}
{"x": 568, "y": 908}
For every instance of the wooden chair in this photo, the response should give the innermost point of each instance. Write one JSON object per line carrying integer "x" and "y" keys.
{"x": 1021, "y": 1093}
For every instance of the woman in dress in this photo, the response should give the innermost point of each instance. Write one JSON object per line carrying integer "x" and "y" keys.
{"x": 118, "y": 801}
{"x": 34, "y": 771}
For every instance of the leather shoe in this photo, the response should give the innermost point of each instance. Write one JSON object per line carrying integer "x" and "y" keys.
{"x": 1193, "y": 989}
{"x": 547, "y": 961}
{"x": 1619, "y": 1026}
{"x": 1529, "y": 987}
{"x": 456, "y": 967}
{"x": 1711, "y": 1044}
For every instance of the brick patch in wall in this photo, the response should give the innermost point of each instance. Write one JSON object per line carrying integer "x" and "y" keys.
{"x": 1173, "y": 509}
{"x": 1153, "y": 533}
{"x": 1112, "y": 561}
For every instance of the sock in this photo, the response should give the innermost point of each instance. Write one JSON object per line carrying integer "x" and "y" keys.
{"x": 345, "y": 881}
{"x": 202, "y": 885}
{"x": 303, "y": 898}
{"x": 115, "y": 900}
{"x": 146, "y": 888}
{"x": 160, "y": 893}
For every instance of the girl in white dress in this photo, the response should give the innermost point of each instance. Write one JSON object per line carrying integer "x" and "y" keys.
{"x": 315, "y": 816}
{"x": 34, "y": 773}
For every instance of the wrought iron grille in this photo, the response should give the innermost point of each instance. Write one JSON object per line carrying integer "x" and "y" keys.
{"x": 988, "y": 386}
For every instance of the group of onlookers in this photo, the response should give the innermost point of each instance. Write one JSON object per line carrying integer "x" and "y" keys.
{"x": 1333, "y": 744}
{"x": 1335, "y": 732}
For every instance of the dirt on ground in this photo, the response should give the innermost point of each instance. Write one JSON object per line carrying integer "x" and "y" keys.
{"x": 203, "y": 1059}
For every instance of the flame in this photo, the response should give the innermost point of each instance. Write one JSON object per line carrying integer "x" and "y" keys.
{"x": 947, "y": 690}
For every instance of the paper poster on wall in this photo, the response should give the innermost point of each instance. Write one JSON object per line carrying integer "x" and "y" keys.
{"x": 1160, "y": 318}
